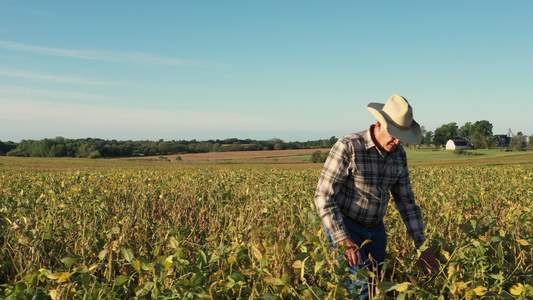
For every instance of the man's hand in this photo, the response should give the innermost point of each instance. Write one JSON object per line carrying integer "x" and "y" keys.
{"x": 353, "y": 254}
{"x": 429, "y": 261}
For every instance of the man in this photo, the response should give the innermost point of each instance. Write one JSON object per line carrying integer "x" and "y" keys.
{"x": 353, "y": 190}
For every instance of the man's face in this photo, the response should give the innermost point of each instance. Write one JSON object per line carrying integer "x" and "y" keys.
{"x": 385, "y": 140}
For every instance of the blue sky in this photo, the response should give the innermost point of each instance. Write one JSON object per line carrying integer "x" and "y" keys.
{"x": 295, "y": 70}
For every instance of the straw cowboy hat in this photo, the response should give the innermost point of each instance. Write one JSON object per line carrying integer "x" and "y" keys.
{"x": 397, "y": 117}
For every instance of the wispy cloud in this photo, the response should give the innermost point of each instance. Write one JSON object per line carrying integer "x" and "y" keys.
{"x": 54, "y": 78}
{"x": 127, "y": 56}
{"x": 17, "y": 94}
{"x": 52, "y": 51}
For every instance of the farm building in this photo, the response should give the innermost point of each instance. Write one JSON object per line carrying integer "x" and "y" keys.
{"x": 502, "y": 140}
{"x": 456, "y": 143}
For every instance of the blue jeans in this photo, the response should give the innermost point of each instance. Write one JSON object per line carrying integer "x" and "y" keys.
{"x": 376, "y": 249}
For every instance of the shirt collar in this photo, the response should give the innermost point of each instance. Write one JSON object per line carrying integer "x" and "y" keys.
{"x": 369, "y": 142}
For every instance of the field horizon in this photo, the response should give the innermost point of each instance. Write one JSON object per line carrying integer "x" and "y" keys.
{"x": 295, "y": 158}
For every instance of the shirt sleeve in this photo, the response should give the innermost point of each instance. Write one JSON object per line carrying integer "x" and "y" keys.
{"x": 333, "y": 176}
{"x": 404, "y": 198}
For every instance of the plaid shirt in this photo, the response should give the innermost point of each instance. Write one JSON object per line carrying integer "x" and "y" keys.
{"x": 355, "y": 182}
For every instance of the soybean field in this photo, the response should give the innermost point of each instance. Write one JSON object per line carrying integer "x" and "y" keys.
{"x": 249, "y": 231}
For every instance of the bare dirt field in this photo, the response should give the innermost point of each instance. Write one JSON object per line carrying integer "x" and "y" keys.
{"x": 242, "y": 155}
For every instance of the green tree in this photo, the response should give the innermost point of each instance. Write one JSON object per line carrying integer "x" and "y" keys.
{"x": 215, "y": 147}
{"x": 236, "y": 146}
{"x": 332, "y": 140}
{"x": 428, "y": 138}
{"x": 203, "y": 147}
{"x": 481, "y": 134}
{"x": 518, "y": 142}
{"x": 444, "y": 133}
{"x": 6, "y": 147}
{"x": 483, "y": 128}
{"x": 420, "y": 141}
{"x": 58, "y": 150}
{"x": 85, "y": 150}
{"x": 319, "y": 157}
{"x": 465, "y": 131}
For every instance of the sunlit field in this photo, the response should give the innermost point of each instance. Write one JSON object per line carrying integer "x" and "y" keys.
{"x": 240, "y": 228}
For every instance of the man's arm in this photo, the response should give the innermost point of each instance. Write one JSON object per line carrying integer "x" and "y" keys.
{"x": 411, "y": 214}
{"x": 404, "y": 199}
{"x": 334, "y": 173}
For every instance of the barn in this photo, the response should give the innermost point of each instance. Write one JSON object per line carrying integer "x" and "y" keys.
{"x": 456, "y": 143}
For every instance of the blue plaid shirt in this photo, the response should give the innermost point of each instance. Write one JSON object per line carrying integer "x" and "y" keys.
{"x": 355, "y": 182}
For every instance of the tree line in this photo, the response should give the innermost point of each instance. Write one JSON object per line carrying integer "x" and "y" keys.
{"x": 96, "y": 148}
{"x": 478, "y": 134}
